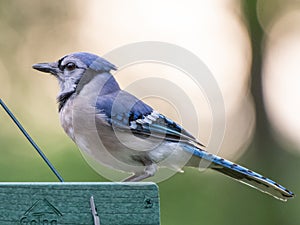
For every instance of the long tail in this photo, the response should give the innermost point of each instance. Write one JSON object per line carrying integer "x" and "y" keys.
{"x": 239, "y": 173}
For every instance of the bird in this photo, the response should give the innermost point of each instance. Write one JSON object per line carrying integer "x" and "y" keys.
{"x": 124, "y": 133}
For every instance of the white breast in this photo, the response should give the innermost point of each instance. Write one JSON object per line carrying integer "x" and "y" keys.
{"x": 66, "y": 118}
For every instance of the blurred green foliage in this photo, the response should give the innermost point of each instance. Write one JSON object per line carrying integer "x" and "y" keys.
{"x": 191, "y": 198}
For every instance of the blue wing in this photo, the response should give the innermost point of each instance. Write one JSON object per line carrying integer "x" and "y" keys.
{"x": 126, "y": 112}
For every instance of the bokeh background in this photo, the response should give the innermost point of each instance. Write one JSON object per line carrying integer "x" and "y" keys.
{"x": 251, "y": 47}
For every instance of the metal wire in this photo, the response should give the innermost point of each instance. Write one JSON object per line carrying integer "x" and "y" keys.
{"x": 40, "y": 152}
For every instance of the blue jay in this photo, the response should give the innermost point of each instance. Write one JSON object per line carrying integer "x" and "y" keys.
{"x": 132, "y": 132}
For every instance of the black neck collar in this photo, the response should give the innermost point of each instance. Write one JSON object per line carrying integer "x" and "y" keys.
{"x": 63, "y": 98}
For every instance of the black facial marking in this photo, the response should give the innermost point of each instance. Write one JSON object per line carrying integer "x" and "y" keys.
{"x": 59, "y": 63}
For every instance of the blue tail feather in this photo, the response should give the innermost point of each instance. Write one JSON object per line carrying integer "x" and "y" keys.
{"x": 241, "y": 174}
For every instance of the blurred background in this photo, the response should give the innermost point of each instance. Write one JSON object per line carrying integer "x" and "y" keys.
{"x": 251, "y": 47}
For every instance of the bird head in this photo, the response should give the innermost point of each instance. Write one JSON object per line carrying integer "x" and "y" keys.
{"x": 72, "y": 68}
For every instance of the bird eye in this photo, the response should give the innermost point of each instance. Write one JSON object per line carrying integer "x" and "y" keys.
{"x": 70, "y": 66}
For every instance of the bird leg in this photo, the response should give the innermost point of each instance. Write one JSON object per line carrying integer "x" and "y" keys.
{"x": 148, "y": 172}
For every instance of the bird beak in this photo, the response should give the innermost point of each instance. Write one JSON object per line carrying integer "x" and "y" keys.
{"x": 46, "y": 68}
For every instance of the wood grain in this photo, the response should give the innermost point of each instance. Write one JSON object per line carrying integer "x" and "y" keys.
{"x": 69, "y": 203}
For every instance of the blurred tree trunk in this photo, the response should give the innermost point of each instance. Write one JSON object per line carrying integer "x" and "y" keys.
{"x": 262, "y": 136}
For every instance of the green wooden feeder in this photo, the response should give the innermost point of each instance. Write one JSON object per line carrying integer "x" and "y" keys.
{"x": 72, "y": 203}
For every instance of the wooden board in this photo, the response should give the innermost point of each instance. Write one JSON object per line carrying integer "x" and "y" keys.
{"x": 69, "y": 203}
